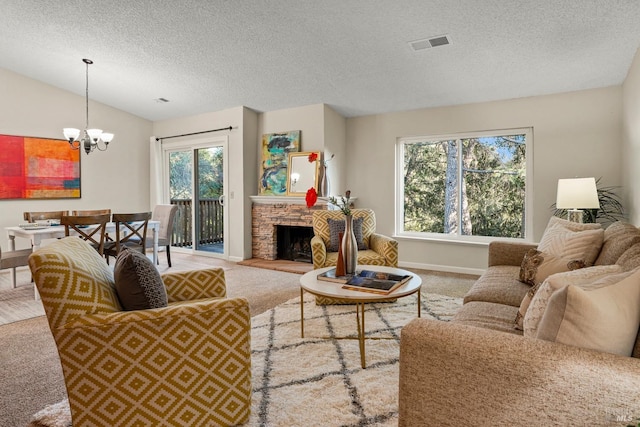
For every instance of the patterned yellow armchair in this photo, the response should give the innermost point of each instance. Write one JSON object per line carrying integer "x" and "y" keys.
{"x": 381, "y": 250}
{"x": 187, "y": 364}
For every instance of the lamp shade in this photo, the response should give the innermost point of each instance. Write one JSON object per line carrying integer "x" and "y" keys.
{"x": 577, "y": 193}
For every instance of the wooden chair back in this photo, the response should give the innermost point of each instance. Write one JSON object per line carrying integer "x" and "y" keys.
{"x": 43, "y": 216}
{"x": 91, "y": 212}
{"x": 131, "y": 232}
{"x": 88, "y": 227}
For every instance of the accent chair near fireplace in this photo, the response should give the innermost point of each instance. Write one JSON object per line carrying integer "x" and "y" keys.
{"x": 380, "y": 250}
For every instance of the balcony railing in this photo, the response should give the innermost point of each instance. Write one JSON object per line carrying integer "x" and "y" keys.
{"x": 209, "y": 219}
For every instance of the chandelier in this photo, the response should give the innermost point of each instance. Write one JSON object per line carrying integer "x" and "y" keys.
{"x": 90, "y": 137}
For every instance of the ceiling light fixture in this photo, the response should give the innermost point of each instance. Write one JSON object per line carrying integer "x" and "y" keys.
{"x": 91, "y": 137}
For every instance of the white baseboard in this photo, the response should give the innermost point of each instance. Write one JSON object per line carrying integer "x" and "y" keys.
{"x": 445, "y": 268}
{"x": 235, "y": 259}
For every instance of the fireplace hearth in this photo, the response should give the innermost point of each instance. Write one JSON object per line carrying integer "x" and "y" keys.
{"x": 294, "y": 243}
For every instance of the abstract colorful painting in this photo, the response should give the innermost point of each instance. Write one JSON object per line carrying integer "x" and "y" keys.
{"x": 275, "y": 156}
{"x": 38, "y": 168}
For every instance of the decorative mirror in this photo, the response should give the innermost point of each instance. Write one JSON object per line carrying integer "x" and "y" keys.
{"x": 301, "y": 173}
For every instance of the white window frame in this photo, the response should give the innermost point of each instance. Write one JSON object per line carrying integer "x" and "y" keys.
{"x": 399, "y": 226}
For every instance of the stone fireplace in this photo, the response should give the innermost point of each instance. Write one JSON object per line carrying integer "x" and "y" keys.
{"x": 270, "y": 219}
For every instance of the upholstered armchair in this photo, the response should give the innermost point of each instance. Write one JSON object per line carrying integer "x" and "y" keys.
{"x": 185, "y": 364}
{"x": 381, "y": 250}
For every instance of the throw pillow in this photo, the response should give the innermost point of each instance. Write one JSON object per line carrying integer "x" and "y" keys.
{"x": 555, "y": 221}
{"x": 618, "y": 237}
{"x": 583, "y": 276}
{"x": 630, "y": 259}
{"x": 138, "y": 282}
{"x": 604, "y": 319}
{"x": 537, "y": 266}
{"x": 562, "y": 241}
{"x": 337, "y": 226}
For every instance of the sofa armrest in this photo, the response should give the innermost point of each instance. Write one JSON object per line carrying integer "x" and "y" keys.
{"x": 385, "y": 246}
{"x": 454, "y": 374}
{"x": 508, "y": 253}
{"x": 318, "y": 252}
{"x": 195, "y": 284}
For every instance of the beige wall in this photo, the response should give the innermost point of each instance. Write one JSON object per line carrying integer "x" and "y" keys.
{"x": 631, "y": 147}
{"x": 117, "y": 178}
{"x": 575, "y": 134}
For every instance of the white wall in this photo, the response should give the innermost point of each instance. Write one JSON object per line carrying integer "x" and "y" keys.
{"x": 575, "y": 134}
{"x": 631, "y": 148}
{"x": 241, "y": 185}
{"x": 117, "y": 178}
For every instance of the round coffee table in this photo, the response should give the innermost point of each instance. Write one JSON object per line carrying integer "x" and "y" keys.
{"x": 309, "y": 282}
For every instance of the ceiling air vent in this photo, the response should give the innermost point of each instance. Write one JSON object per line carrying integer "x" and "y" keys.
{"x": 430, "y": 42}
{"x": 161, "y": 100}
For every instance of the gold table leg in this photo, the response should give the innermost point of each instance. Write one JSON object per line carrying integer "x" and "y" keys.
{"x": 360, "y": 321}
{"x": 301, "y": 313}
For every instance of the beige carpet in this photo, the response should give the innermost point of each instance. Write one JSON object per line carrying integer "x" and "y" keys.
{"x": 318, "y": 380}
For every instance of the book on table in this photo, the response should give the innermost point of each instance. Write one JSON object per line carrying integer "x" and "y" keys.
{"x": 367, "y": 280}
{"x": 376, "y": 282}
{"x": 330, "y": 276}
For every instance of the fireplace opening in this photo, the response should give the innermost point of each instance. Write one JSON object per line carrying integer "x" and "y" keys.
{"x": 294, "y": 243}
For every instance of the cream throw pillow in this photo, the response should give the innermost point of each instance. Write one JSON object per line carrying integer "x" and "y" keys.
{"x": 585, "y": 277}
{"x": 571, "y": 240}
{"x": 604, "y": 319}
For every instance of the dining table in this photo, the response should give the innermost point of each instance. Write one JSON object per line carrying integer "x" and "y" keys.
{"x": 36, "y": 234}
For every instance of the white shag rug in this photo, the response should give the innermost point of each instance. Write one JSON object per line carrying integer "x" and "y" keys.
{"x": 318, "y": 380}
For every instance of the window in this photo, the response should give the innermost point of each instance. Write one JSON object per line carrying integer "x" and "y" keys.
{"x": 459, "y": 186}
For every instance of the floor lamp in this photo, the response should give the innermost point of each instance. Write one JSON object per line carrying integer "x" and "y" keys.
{"x": 576, "y": 194}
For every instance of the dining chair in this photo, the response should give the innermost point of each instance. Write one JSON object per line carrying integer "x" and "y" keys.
{"x": 41, "y": 216}
{"x": 131, "y": 233}
{"x": 13, "y": 259}
{"x": 165, "y": 215}
{"x": 91, "y": 212}
{"x": 88, "y": 227}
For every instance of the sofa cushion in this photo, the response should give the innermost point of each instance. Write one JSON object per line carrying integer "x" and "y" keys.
{"x": 618, "y": 237}
{"x": 604, "y": 319}
{"x": 630, "y": 259}
{"x": 487, "y": 315}
{"x": 555, "y": 221}
{"x": 337, "y": 226}
{"x": 537, "y": 266}
{"x": 138, "y": 282}
{"x": 499, "y": 284}
{"x": 566, "y": 239}
{"x": 590, "y": 277}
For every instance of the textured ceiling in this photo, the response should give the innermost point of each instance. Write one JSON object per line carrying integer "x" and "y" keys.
{"x": 353, "y": 55}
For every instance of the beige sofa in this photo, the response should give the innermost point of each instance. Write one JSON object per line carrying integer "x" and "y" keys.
{"x": 479, "y": 369}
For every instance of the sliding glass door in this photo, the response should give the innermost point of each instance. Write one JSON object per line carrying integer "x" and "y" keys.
{"x": 196, "y": 183}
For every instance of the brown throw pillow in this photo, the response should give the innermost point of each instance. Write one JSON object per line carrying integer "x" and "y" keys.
{"x": 138, "y": 282}
{"x": 537, "y": 266}
{"x": 618, "y": 237}
{"x": 630, "y": 259}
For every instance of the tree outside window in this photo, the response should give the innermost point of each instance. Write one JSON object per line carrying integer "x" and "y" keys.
{"x": 471, "y": 185}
